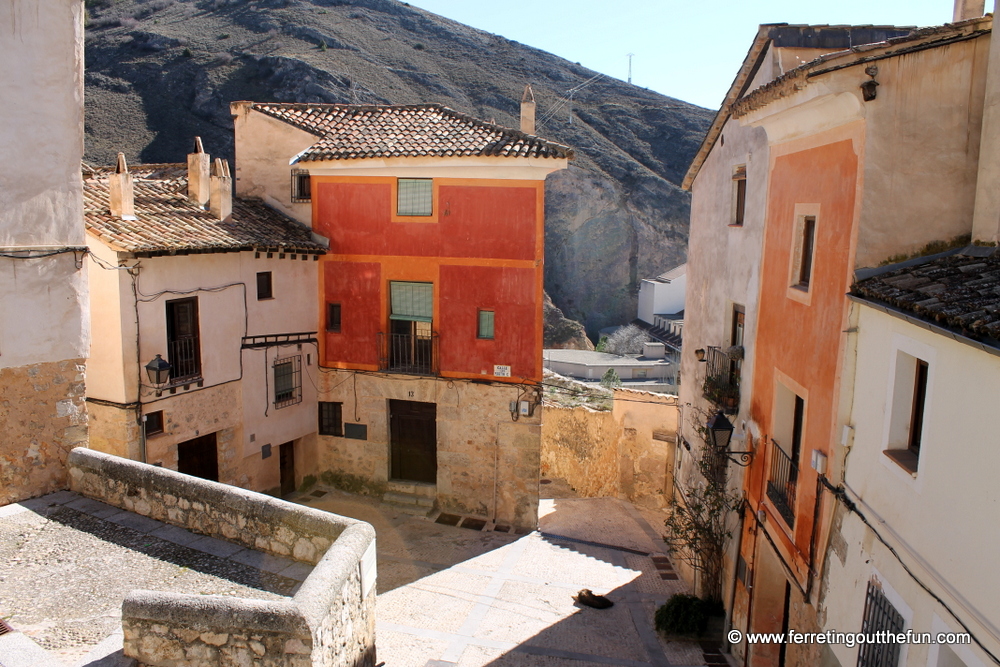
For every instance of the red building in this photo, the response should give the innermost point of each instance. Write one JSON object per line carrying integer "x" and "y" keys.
{"x": 431, "y": 294}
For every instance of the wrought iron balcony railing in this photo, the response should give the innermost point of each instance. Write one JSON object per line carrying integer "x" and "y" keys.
{"x": 408, "y": 353}
{"x": 781, "y": 483}
{"x": 185, "y": 360}
{"x": 722, "y": 379}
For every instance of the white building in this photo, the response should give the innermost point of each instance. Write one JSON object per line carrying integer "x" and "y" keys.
{"x": 651, "y": 371}
{"x": 43, "y": 286}
{"x": 914, "y": 550}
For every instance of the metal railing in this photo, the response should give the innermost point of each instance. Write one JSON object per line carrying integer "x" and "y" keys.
{"x": 182, "y": 353}
{"x": 408, "y": 353}
{"x": 722, "y": 380}
{"x": 781, "y": 483}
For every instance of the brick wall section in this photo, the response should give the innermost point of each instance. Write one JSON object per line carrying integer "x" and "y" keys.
{"x": 44, "y": 416}
{"x": 329, "y": 622}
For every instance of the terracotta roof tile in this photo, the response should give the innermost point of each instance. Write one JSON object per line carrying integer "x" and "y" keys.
{"x": 349, "y": 132}
{"x": 167, "y": 221}
{"x": 960, "y": 292}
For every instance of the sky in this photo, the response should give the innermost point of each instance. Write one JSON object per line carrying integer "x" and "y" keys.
{"x": 690, "y": 50}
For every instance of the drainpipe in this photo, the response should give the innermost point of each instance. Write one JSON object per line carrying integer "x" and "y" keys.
{"x": 732, "y": 592}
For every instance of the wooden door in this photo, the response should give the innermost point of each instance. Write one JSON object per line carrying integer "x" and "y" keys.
{"x": 286, "y": 465}
{"x": 413, "y": 441}
{"x": 199, "y": 457}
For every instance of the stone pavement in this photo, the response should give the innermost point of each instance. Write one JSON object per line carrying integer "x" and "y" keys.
{"x": 67, "y": 562}
{"x": 451, "y": 596}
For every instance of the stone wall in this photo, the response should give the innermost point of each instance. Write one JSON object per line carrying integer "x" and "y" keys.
{"x": 487, "y": 463}
{"x": 625, "y": 453}
{"x": 330, "y": 621}
{"x": 44, "y": 416}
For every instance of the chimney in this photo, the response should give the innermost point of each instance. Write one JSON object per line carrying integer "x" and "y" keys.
{"x": 221, "y": 199}
{"x": 528, "y": 111}
{"x": 654, "y": 350}
{"x": 199, "y": 163}
{"x": 122, "y": 199}
{"x": 968, "y": 9}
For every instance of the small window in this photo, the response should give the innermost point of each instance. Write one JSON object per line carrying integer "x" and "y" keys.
{"x": 880, "y": 616}
{"x": 486, "y": 324}
{"x": 154, "y": 422}
{"x": 909, "y": 404}
{"x": 331, "y": 420}
{"x": 414, "y": 196}
{"x": 264, "y": 290}
{"x": 333, "y": 317}
{"x": 301, "y": 186}
{"x": 739, "y": 195}
{"x": 287, "y": 381}
{"x": 807, "y": 238}
{"x": 641, "y": 373}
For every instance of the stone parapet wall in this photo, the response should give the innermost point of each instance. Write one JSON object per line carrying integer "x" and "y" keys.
{"x": 331, "y": 620}
{"x": 44, "y": 416}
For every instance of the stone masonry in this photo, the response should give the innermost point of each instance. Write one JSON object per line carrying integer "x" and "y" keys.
{"x": 329, "y": 623}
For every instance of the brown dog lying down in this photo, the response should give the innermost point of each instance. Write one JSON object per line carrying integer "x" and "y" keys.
{"x": 589, "y": 598}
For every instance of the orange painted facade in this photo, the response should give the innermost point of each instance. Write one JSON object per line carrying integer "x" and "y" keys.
{"x": 799, "y": 349}
{"x": 481, "y": 249}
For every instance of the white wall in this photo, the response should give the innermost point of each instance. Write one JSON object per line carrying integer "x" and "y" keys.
{"x": 659, "y": 298}
{"x": 942, "y": 520}
{"x": 41, "y": 188}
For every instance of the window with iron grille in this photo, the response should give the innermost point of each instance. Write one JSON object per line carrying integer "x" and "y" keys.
{"x": 331, "y": 419}
{"x": 301, "y": 186}
{"x": 183, "y": 348}
{"x": 414, "y": 196}
{"x": 287, "y": 381}
{"x": 880, "y": 616}
{"x": 486, "y": 320}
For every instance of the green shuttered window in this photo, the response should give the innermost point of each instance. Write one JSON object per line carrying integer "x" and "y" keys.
{"x": 486, "y": 324}
{"x": 413, "y": 302}
{"x": 415, "y": 196}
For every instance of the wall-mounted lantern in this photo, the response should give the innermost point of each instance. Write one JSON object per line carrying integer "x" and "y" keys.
{"x": 158, "y": 371}
{"x": 720, "y": 433}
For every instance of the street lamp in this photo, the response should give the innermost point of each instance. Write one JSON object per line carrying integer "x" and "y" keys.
{"x": 720, "y": 433}
{"x": 159, "y": 373}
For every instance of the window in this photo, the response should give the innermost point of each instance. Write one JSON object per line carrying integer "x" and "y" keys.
{"x": 301, "y": 186}
{"x": 789, "y": 428}
{"x": 264, "y": 290}
{"x": 414, "y": 196}
{"x": 906, "y": 425}
{"x": 183, "y": 348}
{"x": 736, "y": 340}
{"x": 154, "y": 422}
{"x": 739, "y": 195}
{"x": 331, "y": 420}
{"x": 486, "y": 324}
{"x": 880, "y": 616}
{"x": 641, "y": 373}
{"x": 287, "y": 381}
{"x": 804, "y": 255}
{"x": 411, "y": 338}
{"x": 333, "y": 317}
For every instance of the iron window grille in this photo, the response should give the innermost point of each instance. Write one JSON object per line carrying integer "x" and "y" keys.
{"x": 183, "y": 348}
{"x": 301, "y": 186}
{"x": 880, "y": 616}
{"x": 415, "y": 196}
{"x": 331, "y": 419}
{"x": 287, "y": 381}
{"x": 782, "y": 483}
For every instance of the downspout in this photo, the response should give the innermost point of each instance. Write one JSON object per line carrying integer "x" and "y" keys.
{"x": 732, "y": 592}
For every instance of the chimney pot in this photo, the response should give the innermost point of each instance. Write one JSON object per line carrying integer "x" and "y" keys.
{"x": 199, "y": 164}
{"x": 122, "y": 199}
{"x": 221, "y": 197}
{"x": 528, "y": 111}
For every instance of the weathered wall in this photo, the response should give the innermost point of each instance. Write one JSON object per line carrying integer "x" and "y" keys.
{"x": 626, "y": 453}
{"x": 487, "y": 463}
{"x": 330, "y": 621}
{"x": 43, "y": 414}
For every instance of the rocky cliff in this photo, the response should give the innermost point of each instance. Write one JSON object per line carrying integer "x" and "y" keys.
{"x": 159, "y": 72}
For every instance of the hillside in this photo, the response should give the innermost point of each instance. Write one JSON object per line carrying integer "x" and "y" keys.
{"x": 159, "y": 72}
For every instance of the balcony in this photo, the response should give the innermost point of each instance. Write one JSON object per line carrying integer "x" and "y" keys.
{"x": 415, "y": 354}
{"x": 722, "y": 379}
{"x": 781, "y": 483}
{"x": 185, "y": 362}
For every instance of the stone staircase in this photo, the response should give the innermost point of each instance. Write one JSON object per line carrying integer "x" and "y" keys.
{"x": 411, "y": 497}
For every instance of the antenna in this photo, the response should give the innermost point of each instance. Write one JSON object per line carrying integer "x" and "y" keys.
{"x": 629, "y": 56}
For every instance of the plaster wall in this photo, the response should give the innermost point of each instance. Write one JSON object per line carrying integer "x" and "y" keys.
{"x": 487, "y": 464}
{"x": 657, "y": 298}
{"x": 625, "y": 370}
{"x": 920, "y": 515}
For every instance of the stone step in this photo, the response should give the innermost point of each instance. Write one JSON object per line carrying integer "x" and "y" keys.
{"x": 18, "y": 650}
{"x": 413, "y": 488}
{"x": 395, "y": 498}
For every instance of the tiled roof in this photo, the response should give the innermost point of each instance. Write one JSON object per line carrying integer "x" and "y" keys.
{"x": 168, "y": 222}
{"x": 960, "y": 292}
{"x": 355, "y": 132}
